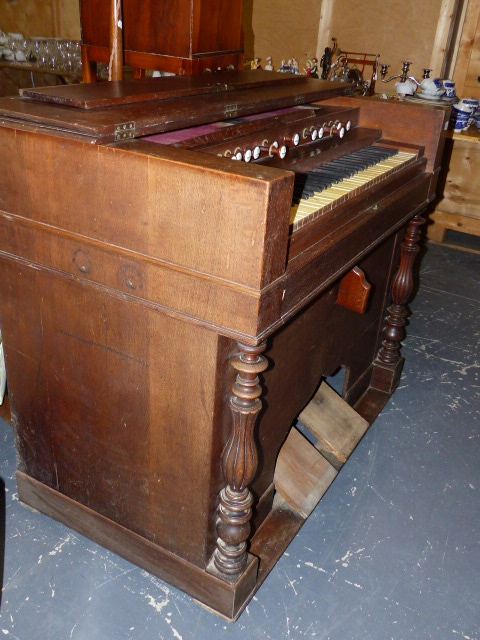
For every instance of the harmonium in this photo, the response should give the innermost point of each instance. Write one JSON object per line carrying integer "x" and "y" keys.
{"x": 184, "y": 261}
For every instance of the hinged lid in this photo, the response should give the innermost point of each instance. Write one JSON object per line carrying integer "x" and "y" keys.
{"x": 108, "y": 94}
{"x": 101, "y": 112}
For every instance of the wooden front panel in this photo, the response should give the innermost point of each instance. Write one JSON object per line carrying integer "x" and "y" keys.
{"x": 116, "y": 406}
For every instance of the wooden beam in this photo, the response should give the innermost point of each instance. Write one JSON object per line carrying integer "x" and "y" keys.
{"x": 443, "y": 37}
{"x": 466, "y": 47}
{"x": 325, "y": 27}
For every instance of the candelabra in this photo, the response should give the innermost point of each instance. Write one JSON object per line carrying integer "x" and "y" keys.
{"x": 404, "y": 75}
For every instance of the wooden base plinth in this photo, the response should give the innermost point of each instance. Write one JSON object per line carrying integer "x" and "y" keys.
{"x": 385, "y": 377}
{"x": 224, "y": 598}
{"x": 303, "y": 474}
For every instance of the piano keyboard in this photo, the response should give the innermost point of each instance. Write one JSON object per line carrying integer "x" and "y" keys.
{"x": 317, "y": 191}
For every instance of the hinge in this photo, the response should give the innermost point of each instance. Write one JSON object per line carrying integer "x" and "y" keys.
{"x": 124, "y": 131}
{"x": 230, "y": 110}
{"x": 221, "y": 86}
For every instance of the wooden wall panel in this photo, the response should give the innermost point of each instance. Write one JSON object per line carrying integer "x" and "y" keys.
{"x": 398, "y": 30}
{"x": 66, "y": 18}
{"x": 30, "y": 17}
{"x": 467, "y": 66}
{"x": 47, "y": 18}
{"x": 281, "y": 29}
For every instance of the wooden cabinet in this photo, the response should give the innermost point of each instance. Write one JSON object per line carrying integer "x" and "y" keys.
{"x": 458, "y": 209}
{"x": 173, "y": 35}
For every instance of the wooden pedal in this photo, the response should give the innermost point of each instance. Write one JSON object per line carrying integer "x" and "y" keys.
{"x": 302, "y": 475}
{"x": 337, "y": 427}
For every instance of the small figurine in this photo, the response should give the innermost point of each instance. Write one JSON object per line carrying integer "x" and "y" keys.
{"x": 268, "y": 66}
{"x": 286, "y": 66}
{"x": 294, "y": 65}
{"x": 326, "y": 60}
{"x": 314, "y": 68}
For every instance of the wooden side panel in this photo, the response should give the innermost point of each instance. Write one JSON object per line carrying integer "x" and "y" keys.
{"x": 207, "y": 218}
{"x": 114, "y": 406}
{"x": 217, "y": 26}
{"x": 165, "y": 26}
{"x": 408, "y": 123}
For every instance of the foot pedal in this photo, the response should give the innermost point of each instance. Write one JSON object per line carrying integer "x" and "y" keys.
{"x": 337, "y": 427}
{"x": 302, "y": 475}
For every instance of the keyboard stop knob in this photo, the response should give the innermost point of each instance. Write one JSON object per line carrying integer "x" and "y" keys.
{"x": 279, "y": 150}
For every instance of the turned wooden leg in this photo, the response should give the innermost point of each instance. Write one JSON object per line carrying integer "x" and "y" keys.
{"x": 239, "y": 463}
{"x": 388, "y": 363}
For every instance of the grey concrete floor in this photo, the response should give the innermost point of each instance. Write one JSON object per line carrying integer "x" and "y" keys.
{"x": 392, "y": 551}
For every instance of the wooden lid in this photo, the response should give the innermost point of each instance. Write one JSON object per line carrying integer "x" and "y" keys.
{"x": 111, "y": 111}
{"x": 109, "y": 94}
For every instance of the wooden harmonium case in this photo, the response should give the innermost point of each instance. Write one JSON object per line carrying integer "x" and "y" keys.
{"x": 180, "y": 257}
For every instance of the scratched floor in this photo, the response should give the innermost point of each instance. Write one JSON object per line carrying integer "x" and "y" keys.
{"x": 391, "y": 552}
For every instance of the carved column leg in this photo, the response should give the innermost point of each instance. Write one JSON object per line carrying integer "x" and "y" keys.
{"x": 388, "y": 363}
{"x": 239, "y": 463}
